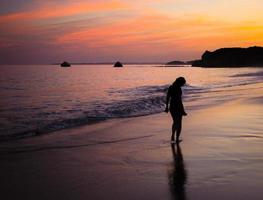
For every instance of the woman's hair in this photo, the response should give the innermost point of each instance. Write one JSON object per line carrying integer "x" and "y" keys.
{"x": 180, "y": 81}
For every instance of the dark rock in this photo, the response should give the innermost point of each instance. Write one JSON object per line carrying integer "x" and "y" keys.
{"x": 65, "y": 64}
{"x": 176, "y": 62}
{"x": 118, "y": 64}
{"x": 231, "y": 57}
{"x": 190, "y": 62}
{"x": 197, "y": 63}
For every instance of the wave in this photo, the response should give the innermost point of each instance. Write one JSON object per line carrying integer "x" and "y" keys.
{"x": 251, "y": 74}
{"x": 132, "y": 102}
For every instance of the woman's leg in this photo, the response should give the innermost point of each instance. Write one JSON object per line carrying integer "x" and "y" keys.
{"x": 178, "y": 127}
{"x": 173, "y": 130}
{"x": 174, "y": 126}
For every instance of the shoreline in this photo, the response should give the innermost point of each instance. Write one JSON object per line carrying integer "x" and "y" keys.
{"x": 220, "y": 158}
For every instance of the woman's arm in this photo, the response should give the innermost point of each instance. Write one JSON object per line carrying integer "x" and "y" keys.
{"x": 168, "y": 96}
{"x": 181, "y": 105}
{"x": 182, "y": 108}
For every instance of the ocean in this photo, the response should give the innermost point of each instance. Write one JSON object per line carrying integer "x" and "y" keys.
{"x": 40, "y": 99}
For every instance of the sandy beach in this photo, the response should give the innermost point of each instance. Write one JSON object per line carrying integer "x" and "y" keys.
{"x": 220, "y": 157}
{"x": 93, "y": 92}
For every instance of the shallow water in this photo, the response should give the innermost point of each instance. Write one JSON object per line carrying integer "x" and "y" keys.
{"x": 41, "y": 99}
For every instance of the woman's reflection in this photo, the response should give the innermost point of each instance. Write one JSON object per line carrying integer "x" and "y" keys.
{"x": 177, "y": 174}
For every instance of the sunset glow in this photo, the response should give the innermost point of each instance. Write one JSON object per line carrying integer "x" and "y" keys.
{"x": 130, "y": 31}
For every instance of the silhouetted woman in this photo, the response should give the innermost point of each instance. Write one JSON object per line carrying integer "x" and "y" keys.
{"x": 174, "y": 98}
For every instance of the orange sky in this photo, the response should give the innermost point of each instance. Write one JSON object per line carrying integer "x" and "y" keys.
{"x": 130, "y": 31}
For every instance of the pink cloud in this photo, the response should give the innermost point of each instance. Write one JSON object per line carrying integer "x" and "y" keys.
{"x": 60, "y": 10}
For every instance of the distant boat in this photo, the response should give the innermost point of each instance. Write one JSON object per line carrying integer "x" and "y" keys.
{"x": 65, "y": 64}
{"x": 118, "y": 64}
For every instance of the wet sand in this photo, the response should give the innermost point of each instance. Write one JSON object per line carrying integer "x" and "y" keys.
{"x": 220, "y": 157}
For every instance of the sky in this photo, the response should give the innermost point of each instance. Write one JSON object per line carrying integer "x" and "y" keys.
{"x": 51, "y": 31}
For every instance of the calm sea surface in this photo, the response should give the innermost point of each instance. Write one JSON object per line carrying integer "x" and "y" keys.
{"x": 38, "y": 99}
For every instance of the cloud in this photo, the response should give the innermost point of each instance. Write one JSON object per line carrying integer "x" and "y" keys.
{"x": 53, "y": 10}
{"x": 143, "y": 29}
{"x": 147, "y": 29}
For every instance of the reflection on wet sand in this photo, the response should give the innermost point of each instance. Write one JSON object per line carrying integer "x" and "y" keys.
{"x": 177, "y": 174}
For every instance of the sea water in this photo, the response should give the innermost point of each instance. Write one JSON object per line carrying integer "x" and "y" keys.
{"x": 38, "y": 99}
